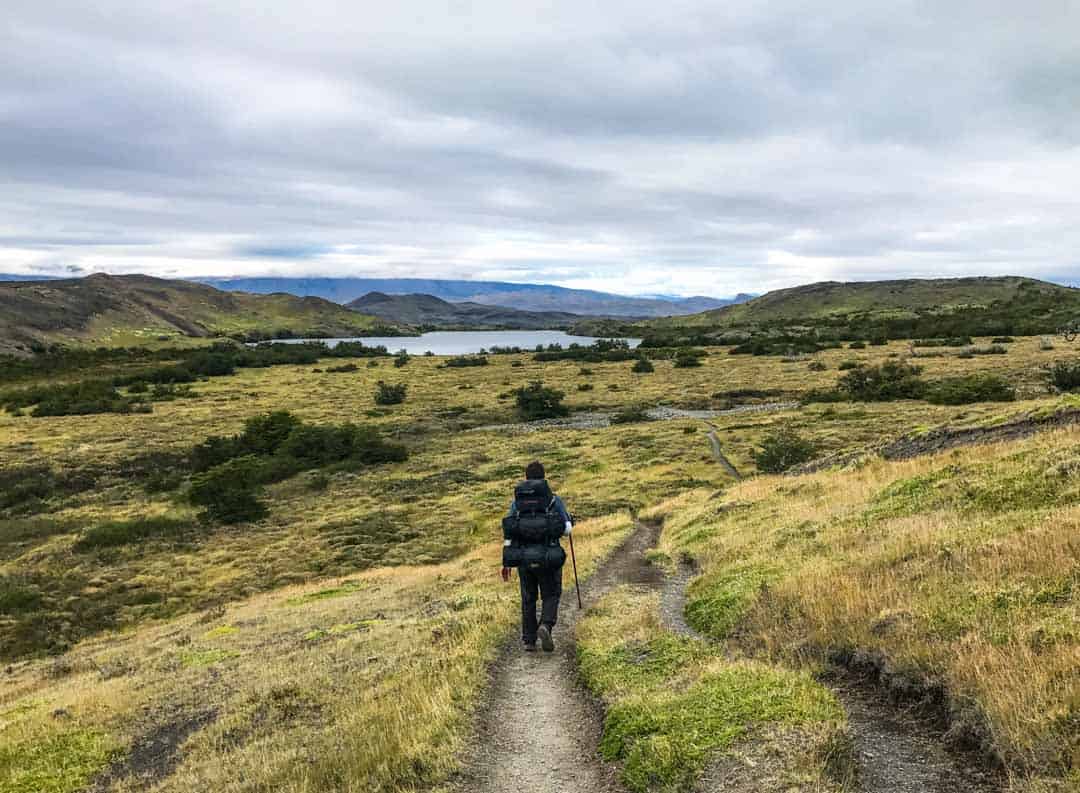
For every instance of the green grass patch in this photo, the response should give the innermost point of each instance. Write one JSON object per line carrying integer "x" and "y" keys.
{"x": 201, "y": 658}
{"x": 346, "y": 588}
{"x": 719, "y": 600}
{"x": 59, "y": 763}
{"x": 221, "y": 630}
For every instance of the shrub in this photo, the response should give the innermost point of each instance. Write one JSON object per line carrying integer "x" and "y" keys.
{"x": 1002, "y": 340}
{"x": 970, "y": 389}
{"x": 857, "y": 345}
{"x": 879, "y": 340}
{"x": 402, "y": 358}
{"x": 782, "y": 450}
{"x": 585, "y": 387}
{"x": 585, "y": 372}
{"x": 467, "y": 360}
{"x": 847, "y": 366}
{"x": 630, "y": 415}
{"x": 642, "y": 366}
{"x": 891, "y": 380}
{"x": 345, "y": 367}
{"x": 1064, "y": 376}
{"x": 687, "y": 359}
{"x": 535, "y": 401}
{"x": 129, "y": 532}
{"x": 389, "y": 393}
{"x": 229, "y": 492}
{"x": 817, "y": 366}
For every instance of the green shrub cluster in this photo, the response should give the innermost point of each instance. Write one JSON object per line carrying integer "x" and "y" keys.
{"x": 536, "y": 401}
{"x": 389, "y": 393}
{"x": 642, "y": 366}
{"x": 464, "y": 361}
{"x": 275, "y": 446}
{"x": 891, "y": 380}
{"x": 609, "y": 350}
{"x": 970, "y": 389}
{"x": 688, "y": 358}
{"x": 128, "y": 532}
{"x": 1064, "y": 376}
{"x": 782, "y": 450}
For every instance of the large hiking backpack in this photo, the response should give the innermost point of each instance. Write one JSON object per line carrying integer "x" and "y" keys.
{"x": 535, "y": 530}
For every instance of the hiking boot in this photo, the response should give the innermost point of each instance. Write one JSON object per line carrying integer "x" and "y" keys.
{"x": 529, "y": 647}
{"x": 544, "y": 634}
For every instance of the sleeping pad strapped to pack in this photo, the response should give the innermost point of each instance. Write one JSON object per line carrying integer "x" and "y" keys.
{"x": 534, "y": 530}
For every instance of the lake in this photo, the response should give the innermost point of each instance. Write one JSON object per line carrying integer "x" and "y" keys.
{"x": 466, "y": 342}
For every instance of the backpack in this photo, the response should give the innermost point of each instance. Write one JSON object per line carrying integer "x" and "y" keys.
{"x": 535, "y": 530}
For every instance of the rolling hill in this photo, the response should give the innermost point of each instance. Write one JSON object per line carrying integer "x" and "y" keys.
{"x": 526, "y": 297}
{"x": 136, "y": 309}
{"x": 831, "y": 299}
{"x": 899, "y": 309}
{"x": 430, "y": 311}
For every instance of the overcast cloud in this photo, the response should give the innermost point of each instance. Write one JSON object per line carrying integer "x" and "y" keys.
{"x": 681, "y": 147}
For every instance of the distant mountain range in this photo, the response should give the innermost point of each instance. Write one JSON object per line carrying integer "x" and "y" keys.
{"x": 433, "y": 312}
{"x": 137, "y": 310}
{"x": 525, "y": 297}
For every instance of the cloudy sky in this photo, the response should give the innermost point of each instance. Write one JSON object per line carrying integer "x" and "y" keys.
{"x": 681, "y": 147}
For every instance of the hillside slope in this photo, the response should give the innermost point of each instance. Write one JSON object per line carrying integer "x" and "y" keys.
{"x": 114, "y": 310}
{"x": 427, "y": 310}
{"x": 526, "y": 297}
{"x": 833, "y": 299}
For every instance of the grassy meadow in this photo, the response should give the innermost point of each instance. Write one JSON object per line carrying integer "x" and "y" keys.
{"x": 340, "y": 642}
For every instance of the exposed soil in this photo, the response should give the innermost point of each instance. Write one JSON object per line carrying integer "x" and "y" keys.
{"x": 539, "y": 730}
{"x": 945, "y": 438}
{"x": 155, "y": 754}
{"x": 895, "y": 750}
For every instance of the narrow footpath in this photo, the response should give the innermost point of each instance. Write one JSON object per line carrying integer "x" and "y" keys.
{"x": 539, "y": 729}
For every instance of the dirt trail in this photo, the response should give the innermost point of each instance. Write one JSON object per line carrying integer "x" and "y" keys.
{"x": 718, "y": 453}
{"x": 896, "y": 752}
{"x": 540, "y": 730}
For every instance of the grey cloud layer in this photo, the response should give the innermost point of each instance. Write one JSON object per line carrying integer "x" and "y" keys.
{"x": 685, "y": 147}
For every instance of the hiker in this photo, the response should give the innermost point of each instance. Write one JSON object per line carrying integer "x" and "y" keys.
{"x": 531, "y": 532}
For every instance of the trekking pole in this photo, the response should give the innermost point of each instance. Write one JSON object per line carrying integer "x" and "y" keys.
{"x": 573, "y": 560}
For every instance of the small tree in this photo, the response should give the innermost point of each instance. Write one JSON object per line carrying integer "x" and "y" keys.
{"x": 401, "y": 358}
{"x": 642, "y": 366}
{"x": 389, "y": 393}
{"x": 782, "y": 450}
{"x": 536, "y": 401}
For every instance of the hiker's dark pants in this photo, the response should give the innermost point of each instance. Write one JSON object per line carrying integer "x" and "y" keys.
{"x": 549, "y": 584}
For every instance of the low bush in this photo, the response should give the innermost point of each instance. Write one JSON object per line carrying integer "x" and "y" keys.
{"x": 402, "y": 358}
{"x": 970, "y": 389}
{"x": 782, "y": 450}
{"x": 74, "y": 399}
{"x": 536, "y": 401}
{"x": 130, "y": 532}
{"x": 891, "y": 380}
{"x": 847, "y": 366}
{"x": 688, "y": 359}
{"x": 857, "y": 345}
{"x": 229, "y": 492}
{"x": 466, "y": 361}
{"x": 642, "y": 366}
{"x": 585, "y": 387}
{"x": 817, "y": 366}
{"x": 344, "y": 368}
{"x": 1064, "y": 376}
{"x": 631, "y": 415}
{"x": 1002, "y": 340}
{"x": 389, "y": 393}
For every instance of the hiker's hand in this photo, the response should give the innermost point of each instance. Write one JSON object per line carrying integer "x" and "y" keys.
{"x": 567, "y": 529}
{"x": 505, "y": 573}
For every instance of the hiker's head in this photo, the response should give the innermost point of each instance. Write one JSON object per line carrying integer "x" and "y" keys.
{"x": 534, "y": 470}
